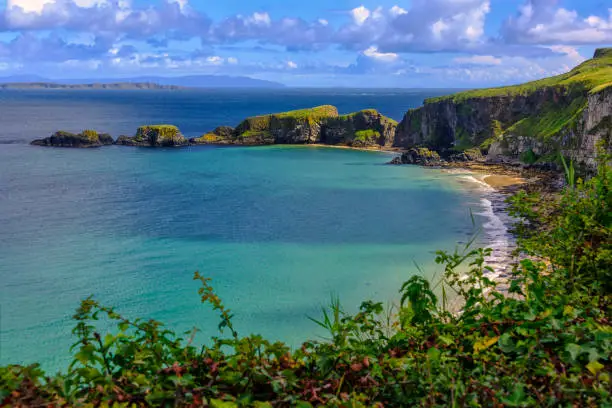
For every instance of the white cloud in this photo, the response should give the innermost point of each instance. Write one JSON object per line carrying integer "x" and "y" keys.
{"x": 260, "y": 19}
{"x": 37, "y": 6}
{"x": 292, "y": 65}
{"x": 360, "y": 15}
{"x": 323, "y": 22}
{"x": 438, "y": 28}
{"x": 232, "y": 60}
{"x": 479, "y": 60}
{"x": 542, "y": 22}
{"x": 570, "y": 52}
{"x": 398, "y": 11}
{"x": 373, "y": 52}
{"x": 215, "y": 60}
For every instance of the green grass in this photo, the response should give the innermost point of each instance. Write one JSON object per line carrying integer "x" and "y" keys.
{"x": 368, "y": 135}
{"x": 550, "y": 121}
{"x": 256, "y": 133}
{"x": 592, "y": 76}
{"x": 315, "y": 113}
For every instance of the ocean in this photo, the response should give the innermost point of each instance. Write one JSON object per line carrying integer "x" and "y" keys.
{"x": 279, "y": 229}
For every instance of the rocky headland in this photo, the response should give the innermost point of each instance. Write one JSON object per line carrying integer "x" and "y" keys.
{"x": 528, "y": 126}
{"x": 533, "y": 123}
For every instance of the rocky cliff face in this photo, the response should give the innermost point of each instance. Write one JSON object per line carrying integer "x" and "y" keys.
{"x": 569, "y": 114}
{"x": 360, "y": 129}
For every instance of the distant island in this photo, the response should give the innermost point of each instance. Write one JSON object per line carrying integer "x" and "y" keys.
{"x": 144, "y": 82}
{"x": 115, "y": 85}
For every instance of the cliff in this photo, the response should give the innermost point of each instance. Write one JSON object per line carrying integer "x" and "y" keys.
{"x": 322, "y": 124}
{"x": 569, "y": 114}
{"x": 87, "y": 138}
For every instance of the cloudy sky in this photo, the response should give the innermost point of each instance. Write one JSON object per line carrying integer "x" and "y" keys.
{"x": 377, "y": 43}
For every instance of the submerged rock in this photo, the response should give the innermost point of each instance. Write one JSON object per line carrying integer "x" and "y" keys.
{"x": 87, "y": 138}
{"x": 154, "y": 136}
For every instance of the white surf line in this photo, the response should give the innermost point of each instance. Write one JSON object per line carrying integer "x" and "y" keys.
{"x": 496, "y": 227}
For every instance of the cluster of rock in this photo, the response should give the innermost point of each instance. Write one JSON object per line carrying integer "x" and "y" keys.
{"x": 146, "y": 136}
{"x": 322, "y": 124}
{"x": 87, "y": 138}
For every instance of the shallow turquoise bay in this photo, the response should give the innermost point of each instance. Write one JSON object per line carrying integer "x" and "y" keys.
{"x": 279, "y": 229}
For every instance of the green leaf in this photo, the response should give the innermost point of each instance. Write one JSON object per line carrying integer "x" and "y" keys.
{"x": 506, "y": 344}
{"x": 594, "y": 367}
{"x": 517, "y": 397}
{"x": 574, "y": 350}
{"x": 485, "y": 343}
{"x": 215, "y": 403}
{"x": 433, "y": 354}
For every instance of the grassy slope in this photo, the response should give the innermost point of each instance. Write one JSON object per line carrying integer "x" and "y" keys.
{"x": 593, "y": 76}
{"x": 590, "y": 77}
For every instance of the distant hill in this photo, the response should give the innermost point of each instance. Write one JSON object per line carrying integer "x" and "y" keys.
{"x": 116, "y": 85}
{"x": 144, "y": 82}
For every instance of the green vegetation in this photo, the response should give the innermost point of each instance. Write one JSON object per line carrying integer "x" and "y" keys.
{"x": 157, "y": 133}
{"x": 208, "y": 138}
{"x": 457, "y": 341}
{"x": 592, "y": 76}
{"x": 552, "y": 119}
{"x": 367, "y": 135}
{"x": 91, "y": 135}
{"x": 366, "y": 112}
{"x": 529, "y": 157}
{"x": 264, "y": 134}
{"x": 317, "y": 113}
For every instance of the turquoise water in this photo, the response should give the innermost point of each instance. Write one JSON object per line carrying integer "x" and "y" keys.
{"x": 279, "y": 229}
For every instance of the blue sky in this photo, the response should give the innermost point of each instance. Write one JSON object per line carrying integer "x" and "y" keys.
{"x": 373, "y": 43}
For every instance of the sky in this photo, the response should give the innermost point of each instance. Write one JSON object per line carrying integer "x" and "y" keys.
{"x": 319, "y": 43}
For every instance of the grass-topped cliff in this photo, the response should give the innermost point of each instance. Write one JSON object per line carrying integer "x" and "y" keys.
{"x": 565, "y": 114}
{"x": 322, "y": 124}
{"x": 592, "y": 76}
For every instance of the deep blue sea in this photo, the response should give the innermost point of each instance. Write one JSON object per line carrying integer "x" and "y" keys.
{"x": 279, "y": 229}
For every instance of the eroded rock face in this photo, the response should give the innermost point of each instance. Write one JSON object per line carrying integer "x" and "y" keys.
{"x": 154, "y": 136}
{"x": 87, "y": 138}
